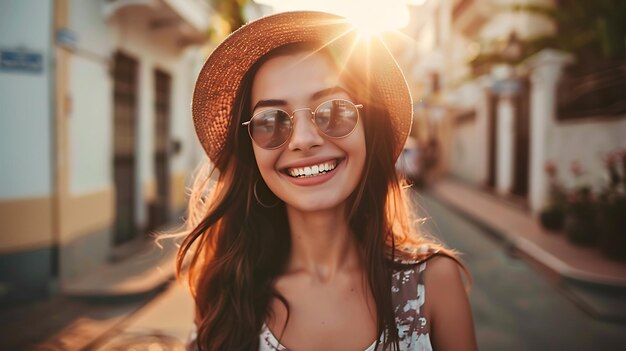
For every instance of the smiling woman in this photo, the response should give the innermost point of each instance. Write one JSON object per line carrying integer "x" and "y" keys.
{"x": 306, "y": 240}
{"x": 293, "y": 81}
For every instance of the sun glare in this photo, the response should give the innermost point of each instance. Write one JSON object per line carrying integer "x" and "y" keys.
{"x": 370, "y": 17}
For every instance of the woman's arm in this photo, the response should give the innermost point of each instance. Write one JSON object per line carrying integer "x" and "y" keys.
{"x": 452, "y": 325}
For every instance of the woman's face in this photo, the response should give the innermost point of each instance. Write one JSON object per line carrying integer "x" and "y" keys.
{"x": 298, "y": 81}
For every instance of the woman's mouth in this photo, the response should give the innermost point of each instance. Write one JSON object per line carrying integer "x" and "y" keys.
{"x": 312, "y": 170}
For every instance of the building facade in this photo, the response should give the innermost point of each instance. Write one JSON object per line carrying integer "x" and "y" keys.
{"x": 500, "y": 123}
{"x": 97, "y": 141}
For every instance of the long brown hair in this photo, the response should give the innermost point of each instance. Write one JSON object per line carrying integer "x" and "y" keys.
{"x": 235, "y": 248}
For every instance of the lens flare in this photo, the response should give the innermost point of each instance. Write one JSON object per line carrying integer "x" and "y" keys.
{"x": 370, "y": 17}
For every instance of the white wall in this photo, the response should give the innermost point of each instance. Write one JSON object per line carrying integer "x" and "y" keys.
{"x": 586, "y": 142}
{"x": 87, "y": 19}
{"x": 90, "y": 90}
{"x": 182, "y": 124}
{"x": 90, "y": 126}
{"x": 469, "y": 142}
{"x": 464, "y": 151}
{"x": 468, "y": 156}
{"x": 25, "y": 118}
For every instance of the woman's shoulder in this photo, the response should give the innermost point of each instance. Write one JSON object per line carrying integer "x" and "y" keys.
{"x": 444, "y": 268}
{"x": 448, "y": 306}
{"x": 425, "y": 285}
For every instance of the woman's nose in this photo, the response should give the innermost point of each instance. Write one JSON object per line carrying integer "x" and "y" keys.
{"x": 305, "y": 134}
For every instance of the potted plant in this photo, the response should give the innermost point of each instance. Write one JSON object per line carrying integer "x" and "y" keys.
{"x": 612, "y": 208}
{"x": 580, "y": 217}
{"x": 552, "y": 215}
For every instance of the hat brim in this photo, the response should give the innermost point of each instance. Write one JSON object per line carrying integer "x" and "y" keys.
{"x": 222, "y": 74}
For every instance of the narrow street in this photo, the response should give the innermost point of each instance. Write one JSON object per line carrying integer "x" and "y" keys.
{"x": 516, "y": 307}
{"x": 114, "y": 112}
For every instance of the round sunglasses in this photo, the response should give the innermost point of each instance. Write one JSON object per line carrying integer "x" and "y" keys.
{"x": 336, "y": 118}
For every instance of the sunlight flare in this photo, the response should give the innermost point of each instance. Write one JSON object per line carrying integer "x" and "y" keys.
{"x": 370, "y": 17}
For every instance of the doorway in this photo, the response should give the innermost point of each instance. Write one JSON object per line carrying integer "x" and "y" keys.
{"x": 160, "y": 208}
{"x": 521, "y": 139}
{"x": 125, "y": 82}
{"x": 492, "y": 143}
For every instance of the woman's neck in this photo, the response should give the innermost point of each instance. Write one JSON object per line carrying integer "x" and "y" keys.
{"x": 322, "y": 244}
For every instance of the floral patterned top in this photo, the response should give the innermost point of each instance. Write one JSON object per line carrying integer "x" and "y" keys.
{"x": 408, "y": 297}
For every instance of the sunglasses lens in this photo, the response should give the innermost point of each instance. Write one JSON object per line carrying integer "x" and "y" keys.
{"x": 336, "y": 118}
{"x": 270, "y": 129}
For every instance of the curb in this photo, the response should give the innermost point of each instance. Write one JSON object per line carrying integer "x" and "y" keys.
{"x": 516, "y": 242}
{"x": 137, "y": 276}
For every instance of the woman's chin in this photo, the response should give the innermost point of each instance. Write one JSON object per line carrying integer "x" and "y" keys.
{"x": 314, "y": 205}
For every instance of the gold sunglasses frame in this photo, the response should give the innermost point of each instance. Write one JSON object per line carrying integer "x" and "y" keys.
{"x": 313, "y": 112}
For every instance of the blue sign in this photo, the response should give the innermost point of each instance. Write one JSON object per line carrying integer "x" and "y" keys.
{"x": 67, "y": 38}
{"x": 507, "y": 87}
{"x": 21, "y": 60}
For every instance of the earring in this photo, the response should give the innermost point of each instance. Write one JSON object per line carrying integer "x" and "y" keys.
{"x": 256, "y": 196}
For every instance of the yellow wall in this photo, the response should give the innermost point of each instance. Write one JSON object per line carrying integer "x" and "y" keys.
{"x": 87, "y": 213}
{"x": 149, "y": 191}
{"x": 177, "y": 190}
{"x": 27, "y": 224}
{"x": 177, "y": 186}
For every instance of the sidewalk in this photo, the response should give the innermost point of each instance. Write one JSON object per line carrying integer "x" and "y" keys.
{"x": 597, "y": 283}
{"x": 163, "y": 324}
{"x": 106, "y": 303}
{"x": 147, "y": 269}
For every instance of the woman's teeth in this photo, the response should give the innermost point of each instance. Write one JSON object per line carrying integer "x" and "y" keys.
{"x": 311, "y": 171}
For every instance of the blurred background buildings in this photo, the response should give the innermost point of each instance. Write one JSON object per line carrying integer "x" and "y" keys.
{"x": 97, "y": 144}
{"x": 97, "y": 139}
{"x": 506, "y": 86}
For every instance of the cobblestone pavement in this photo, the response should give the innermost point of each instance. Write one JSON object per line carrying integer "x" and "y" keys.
{"x": 515, "y": 306}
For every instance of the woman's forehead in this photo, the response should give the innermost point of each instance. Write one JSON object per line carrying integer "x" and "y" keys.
{"x": 294, "y": 77}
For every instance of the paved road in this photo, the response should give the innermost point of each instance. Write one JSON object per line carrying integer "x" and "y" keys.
{"x": 516, "y": 307}
{"x": 63, "y": 323}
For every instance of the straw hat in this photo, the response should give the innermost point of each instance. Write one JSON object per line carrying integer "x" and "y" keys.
{"x": 219, "y": 80}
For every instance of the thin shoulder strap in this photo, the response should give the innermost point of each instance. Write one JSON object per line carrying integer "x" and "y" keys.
{"x": 420, "y": 320}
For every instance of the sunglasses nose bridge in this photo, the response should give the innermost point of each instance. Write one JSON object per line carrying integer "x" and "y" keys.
{"x": 304, "y": 132}
{"x": 293, "y": 114}
{"x": 311, "y": 115}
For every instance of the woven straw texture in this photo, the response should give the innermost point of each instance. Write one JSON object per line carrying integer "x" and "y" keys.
{"x": 223, "y": 71}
